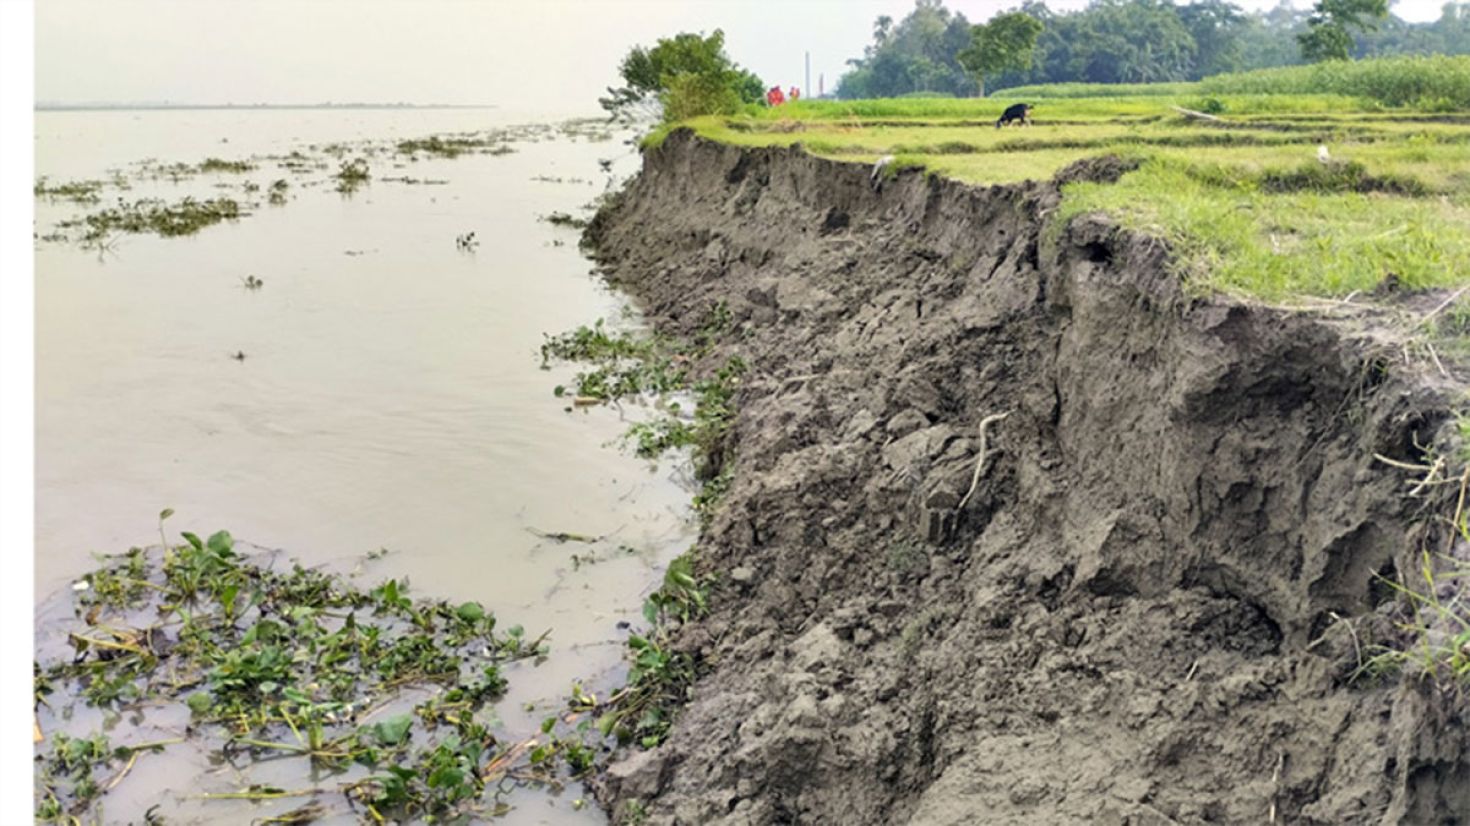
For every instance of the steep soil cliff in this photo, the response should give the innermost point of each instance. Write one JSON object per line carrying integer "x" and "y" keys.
{"x": 1148, "y": 606}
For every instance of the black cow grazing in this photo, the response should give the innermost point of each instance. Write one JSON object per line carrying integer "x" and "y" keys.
{"x": 1015, "y": 113}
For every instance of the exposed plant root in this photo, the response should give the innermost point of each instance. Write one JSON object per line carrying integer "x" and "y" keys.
{"x": 985, "y": 423}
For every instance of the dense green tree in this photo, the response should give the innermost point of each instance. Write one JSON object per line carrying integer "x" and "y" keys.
{"x": 1134, "y": 41}
{"x": 1113, "y": 41}
{"x": 1327, "y": 36}
{"x": 688, "y": 72}
{"x": 1450, "y": 34}
{"x": 1216, "y": 27}
{"x": 1269, "y": 38}
{"x": 915, "y": 55}
{"x": 1008, "y": 41}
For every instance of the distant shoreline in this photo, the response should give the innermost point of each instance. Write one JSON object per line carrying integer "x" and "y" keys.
{"x": 138, "y": 107}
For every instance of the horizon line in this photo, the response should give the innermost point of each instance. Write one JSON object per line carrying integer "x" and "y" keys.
{"x": 42, "y": 106}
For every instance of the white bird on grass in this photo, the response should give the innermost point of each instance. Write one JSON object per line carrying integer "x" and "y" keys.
{"x": 876, "y": 179}
{"x": 1322, "y": 154}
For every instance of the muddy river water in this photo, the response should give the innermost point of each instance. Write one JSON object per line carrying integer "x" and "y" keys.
{"x": 390, "y": 395}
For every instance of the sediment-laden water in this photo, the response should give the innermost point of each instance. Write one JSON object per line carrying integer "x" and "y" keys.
{"x": 379, "y": 389}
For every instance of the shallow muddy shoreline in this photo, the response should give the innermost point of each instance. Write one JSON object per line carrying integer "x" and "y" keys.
{"x": 1020, "y": 530}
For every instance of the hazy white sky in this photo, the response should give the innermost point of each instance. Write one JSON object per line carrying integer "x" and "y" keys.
{"x": 542, "y": 54}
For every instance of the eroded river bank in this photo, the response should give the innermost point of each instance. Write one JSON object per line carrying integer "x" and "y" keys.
{"x": 1020, "y": 530}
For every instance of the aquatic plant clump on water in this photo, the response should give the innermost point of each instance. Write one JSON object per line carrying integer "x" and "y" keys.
{"x": 660, "y": 676}
{"x": 209, "y": 165}
{"x": 452, "y": 146}
{"x": 351, "y": 175}
{"x": 275, "y": 662}
{"x": 623, "y": 365}
{"x": 152, "y": 215}
{"x": 81, "y": 192}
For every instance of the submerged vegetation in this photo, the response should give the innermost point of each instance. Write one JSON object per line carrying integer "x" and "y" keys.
{"x": 621, "y": 364}
{"x": 386, "y": 692}
{"x": 387, "y": 695}
{"x": 381, "y": 703}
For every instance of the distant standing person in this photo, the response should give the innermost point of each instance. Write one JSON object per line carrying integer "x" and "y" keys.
{"x": 795, "y": 94}
{"x": 774, "y": 97}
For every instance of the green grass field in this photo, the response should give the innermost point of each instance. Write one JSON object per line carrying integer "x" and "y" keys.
{"x": 1243, "y": 198}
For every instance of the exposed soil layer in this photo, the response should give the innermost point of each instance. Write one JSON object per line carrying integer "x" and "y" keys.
{"x": 1131, "y": 620}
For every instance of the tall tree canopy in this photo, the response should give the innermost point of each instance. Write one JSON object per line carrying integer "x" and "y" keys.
{"x": 1008, "y": 41}
{"x": 916, "y": 55}
{"x": 1113, "y": 41}
{"x": 688, "y": 74}
{"x": 1133, "y": 41}
{"x": 1216, "y": 27}
{"x": 1327, "y": 36}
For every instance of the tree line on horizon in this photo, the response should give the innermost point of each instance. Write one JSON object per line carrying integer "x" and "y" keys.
{"x": 936, "y": 51}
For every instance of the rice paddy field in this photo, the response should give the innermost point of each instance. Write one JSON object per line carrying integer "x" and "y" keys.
{"x": 1237, "y": 183}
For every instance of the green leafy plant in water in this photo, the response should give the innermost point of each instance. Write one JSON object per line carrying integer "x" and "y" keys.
{"x": 660, "y": 677}
{"x": 217, "y": 165}
{"x": 81, "y": 192}
{"x": 272, "y": 662}
{"x": 682, "y": 596}
{"x": 352, "y": 174}
{"x": 653, "y": 438}
{"x": 452, "y": 146}
{"x": 155, "y": 216}
{"x": 593, "y": 343}
{"x": 625, "y": 365}
{"x": 67, "y": 777}
{"x": 563, "y": 219}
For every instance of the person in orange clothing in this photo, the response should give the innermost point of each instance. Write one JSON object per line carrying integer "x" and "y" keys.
{"x": 774, "y": 97}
